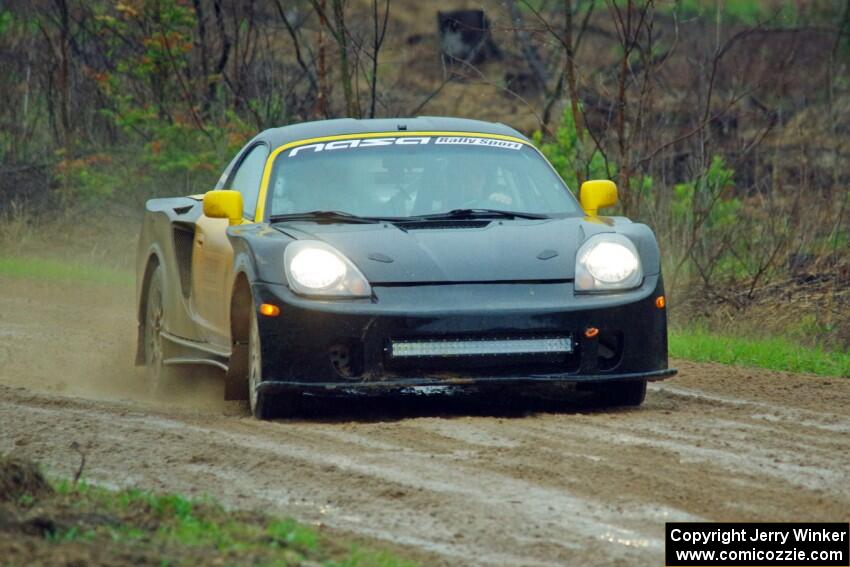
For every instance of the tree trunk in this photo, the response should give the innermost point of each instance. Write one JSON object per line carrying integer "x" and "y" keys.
{"x": 322, "y": 70}
{"x": 572, "y": 86}
{"x": 351, "y": 102}
{"x": 64, "y": 78}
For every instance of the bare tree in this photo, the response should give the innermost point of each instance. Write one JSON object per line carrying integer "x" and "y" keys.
{"x": 340, "y": 33}
{"x": 379, "y": 25}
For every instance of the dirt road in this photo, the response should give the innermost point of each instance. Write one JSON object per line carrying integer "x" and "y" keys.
{"x": 460, "y": 481}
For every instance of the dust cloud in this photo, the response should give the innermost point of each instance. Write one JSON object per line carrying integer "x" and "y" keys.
{"x": 79, "y": 339}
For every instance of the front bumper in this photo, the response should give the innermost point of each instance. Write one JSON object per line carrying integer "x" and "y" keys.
{"x": 301, "y": 348}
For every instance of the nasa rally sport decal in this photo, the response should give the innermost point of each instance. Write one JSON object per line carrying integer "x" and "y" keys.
{"x": 362, "y": 143}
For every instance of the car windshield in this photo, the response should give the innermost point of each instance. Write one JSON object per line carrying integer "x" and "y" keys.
{"x": 412, "y": 176}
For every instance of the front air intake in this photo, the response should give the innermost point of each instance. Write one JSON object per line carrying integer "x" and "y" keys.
{"x": 442, "y": 224}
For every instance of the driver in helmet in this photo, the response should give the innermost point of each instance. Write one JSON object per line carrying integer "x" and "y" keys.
{"x": 476, "y": 187}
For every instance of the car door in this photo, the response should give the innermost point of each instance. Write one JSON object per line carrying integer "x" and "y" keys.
{"x": 212, "y": 260}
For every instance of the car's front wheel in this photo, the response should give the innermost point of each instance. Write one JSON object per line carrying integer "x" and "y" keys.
{"x": 263, "y": 405}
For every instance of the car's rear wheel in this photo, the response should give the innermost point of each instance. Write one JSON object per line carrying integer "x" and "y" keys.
{"x": 159, "y": 375}
{"x": 622, "y": 394}
{"x": 263, "y": 405}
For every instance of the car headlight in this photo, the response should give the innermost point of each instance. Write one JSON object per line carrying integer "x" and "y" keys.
{"x": 317, "y": 269}
{"x": 607, "y": 262}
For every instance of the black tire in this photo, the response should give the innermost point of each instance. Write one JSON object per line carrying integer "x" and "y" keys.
{"x": 160, "y": 377}
{"x": 264, "y": 405}
{"x": 622, "y": 394}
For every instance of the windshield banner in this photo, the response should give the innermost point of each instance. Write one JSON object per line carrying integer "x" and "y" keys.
{"x": 404, "y": 141}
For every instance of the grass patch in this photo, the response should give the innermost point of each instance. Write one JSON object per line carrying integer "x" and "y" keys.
{"x": 58, "y": 270}
{"x": 85, "y": 524}
{"x": 745, "y": 12}
{"x": 772, "y": 353}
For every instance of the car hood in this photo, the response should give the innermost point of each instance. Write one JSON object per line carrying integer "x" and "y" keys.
{"x": 479, "y": 251}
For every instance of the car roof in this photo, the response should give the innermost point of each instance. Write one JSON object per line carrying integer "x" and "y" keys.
{"x": 340, "y": 126}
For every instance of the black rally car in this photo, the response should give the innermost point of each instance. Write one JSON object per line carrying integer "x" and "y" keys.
{"x": 370, "y": 255}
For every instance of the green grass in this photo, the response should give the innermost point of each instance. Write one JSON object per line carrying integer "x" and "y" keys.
{"x": 187, "y": 531}
{"x": 59, "y": 270}
{"x": 747, "y": 12}
{"x": 772, "y": 353}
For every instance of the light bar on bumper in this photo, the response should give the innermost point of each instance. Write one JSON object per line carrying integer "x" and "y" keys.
{"x": 481, "y": 347}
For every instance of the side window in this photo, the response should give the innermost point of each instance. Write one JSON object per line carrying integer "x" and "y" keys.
{"x": 248, "y": 176}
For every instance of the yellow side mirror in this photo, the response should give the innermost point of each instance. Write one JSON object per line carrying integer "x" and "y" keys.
{"x": 597, "y": 194}
{"x": 224, "y": 204}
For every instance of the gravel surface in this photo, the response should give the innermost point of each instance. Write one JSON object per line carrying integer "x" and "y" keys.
{"x": 461, "y": 480}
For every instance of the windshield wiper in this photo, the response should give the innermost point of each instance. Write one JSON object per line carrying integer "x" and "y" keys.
{"x": 479, "y": 214}
{"x": 455, "y": 214}
{"x": 330, "y": 216}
